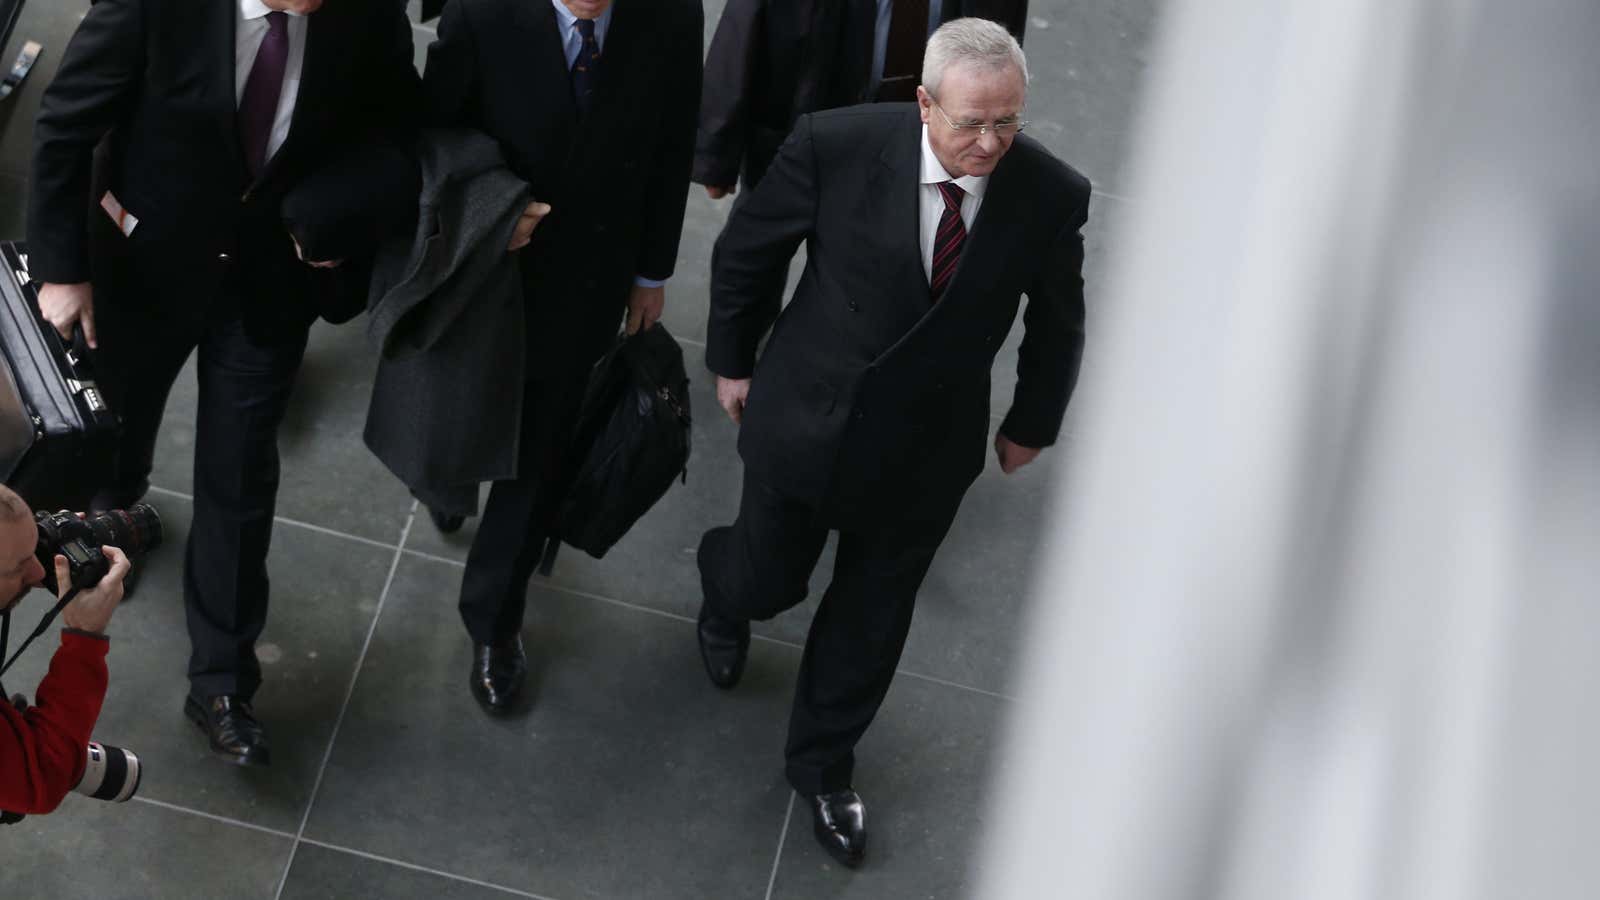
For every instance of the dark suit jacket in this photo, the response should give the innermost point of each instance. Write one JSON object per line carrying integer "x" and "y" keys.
{"x": 866, "y": 404}
{"x": 771, "y": 62}
{"x": 617, "y": 181}
{"x": 156, "y": 78}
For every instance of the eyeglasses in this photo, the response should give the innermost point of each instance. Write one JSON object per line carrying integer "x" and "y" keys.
{"x": 1010, "y": 126}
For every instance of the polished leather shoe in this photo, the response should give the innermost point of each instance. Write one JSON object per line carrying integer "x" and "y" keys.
{"x": 231, "y": 726}
{"x": 447, "y": 524}
{"x": 839, "y": 821}
{"x": 498, "y": 671}
{"x": 724, "y": 647}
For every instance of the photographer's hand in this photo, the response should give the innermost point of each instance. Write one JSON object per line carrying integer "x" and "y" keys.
{"x": 91, "y": 610}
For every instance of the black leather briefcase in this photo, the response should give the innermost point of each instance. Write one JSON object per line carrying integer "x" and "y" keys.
{"x": 57, "y": 435}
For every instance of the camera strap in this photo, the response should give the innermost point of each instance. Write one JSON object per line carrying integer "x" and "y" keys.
{"x": 44, "y": 623}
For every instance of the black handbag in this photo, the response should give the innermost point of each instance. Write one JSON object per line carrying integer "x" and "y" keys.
{"x": 631, "y": 442}
{"x": 57, "y": 434}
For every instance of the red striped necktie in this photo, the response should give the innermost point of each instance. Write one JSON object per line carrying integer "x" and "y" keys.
{"x": 949, "y": 240}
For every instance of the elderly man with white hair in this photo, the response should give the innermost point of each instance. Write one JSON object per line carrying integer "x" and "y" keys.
{"x": 868, "y": 410}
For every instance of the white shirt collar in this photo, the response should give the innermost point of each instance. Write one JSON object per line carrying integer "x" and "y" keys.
{"x": 933, "y": 171}
{"x": 255, "y": 9}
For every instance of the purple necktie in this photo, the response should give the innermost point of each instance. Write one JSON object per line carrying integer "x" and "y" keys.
{"x": 258, "y": 106}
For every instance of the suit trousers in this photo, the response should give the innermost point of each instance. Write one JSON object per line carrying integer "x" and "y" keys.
{"x": 760, "y": 566}
{"x": 244, "y": 386}
{"x": 520, "y": 517}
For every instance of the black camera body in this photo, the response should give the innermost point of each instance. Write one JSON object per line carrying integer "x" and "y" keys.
{"x": 133, "y": 530}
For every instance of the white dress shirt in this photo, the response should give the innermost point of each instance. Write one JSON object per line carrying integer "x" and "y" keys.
{"x": 571, "y": 44}
{"x": 932, "y": 202}
{"x": 252, "y": 28}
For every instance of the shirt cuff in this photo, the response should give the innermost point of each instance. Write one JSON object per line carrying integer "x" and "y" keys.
{"x": 641, "y": 281}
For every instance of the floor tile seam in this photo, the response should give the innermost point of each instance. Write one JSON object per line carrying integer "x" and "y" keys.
{"x": 344, "y": 706}
{"x": 400, "y": 863}
{"x": 295, "y": 523}
{"x": 225, "y": 820}
{"x": 777, "y": 856}
{"x": 576, "y": 592}
{"x": 639, "y": 607}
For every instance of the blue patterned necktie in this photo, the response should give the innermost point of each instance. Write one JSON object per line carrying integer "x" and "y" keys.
{"x": 585, "y": 67}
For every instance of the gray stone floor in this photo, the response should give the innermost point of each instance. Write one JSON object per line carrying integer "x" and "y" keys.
{"x": 630, "y": 777}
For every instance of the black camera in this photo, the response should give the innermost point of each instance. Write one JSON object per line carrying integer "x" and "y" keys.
{"x": 133, "y": 531}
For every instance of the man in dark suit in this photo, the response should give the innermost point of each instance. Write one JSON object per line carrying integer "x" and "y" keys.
{"x": 593, "y": 103}
{"x": 869, "y": 409}
{"x": 211, "y": 112}
{"x": 772, "y": 62}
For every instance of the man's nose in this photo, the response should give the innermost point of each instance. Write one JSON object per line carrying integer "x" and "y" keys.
{"x": 990, "y": 141}
{"x": 35, "y": 572}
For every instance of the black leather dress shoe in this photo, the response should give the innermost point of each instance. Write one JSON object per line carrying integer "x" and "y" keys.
{"x": 724, "y": 647}
{"x": 839, "y": 821}
{"x": 447, "y": 524}
{"x": 498, "y": 671}
{"x": 231, "y": 726}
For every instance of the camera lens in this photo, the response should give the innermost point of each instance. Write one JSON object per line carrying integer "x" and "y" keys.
{"x": 133, "y": 530}
{"x": 111, "y": 774}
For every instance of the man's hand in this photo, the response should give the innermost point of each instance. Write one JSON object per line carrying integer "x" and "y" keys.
{"x": 66, "y": 305}
{"x": 1012, "y": 456}
{"x": 731, "y": 393}
{"x": 91, "y": 610}
{"x": 522, "y": 235}
{"x": 328, "y": 264}
{"x": 644, "y": 306}
{"x": 717, "y": 193}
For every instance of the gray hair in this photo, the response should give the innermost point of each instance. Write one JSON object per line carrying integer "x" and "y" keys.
{"x": 978, "y": 42}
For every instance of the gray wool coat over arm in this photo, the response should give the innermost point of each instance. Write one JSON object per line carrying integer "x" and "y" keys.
{"x": 447, "y": 317}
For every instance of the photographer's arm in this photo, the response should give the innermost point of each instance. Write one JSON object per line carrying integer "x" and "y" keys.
{"x": 42, "y": 749}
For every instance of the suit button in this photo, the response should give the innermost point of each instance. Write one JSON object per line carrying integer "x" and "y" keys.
{"x": 854, "y": 306}
{"x": 860, "y": 415}
{"x": 223, "y": 257}
{"x": 599, "y": 229}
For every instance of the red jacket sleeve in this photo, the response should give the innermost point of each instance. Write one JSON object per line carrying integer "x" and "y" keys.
{"x": 42, "y": 751}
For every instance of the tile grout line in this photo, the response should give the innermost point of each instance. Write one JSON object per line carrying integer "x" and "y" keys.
{"x": 788, "y": 813}
{"x": 417, "y": 868}
{"x": 636, "y": 607}
{"x": 320, "y": 529}
{"x": 350, "y": 851}
{"x": 576, "y": 592}
{"x": 349, "y": 694}
{"x": 237, "y": 823}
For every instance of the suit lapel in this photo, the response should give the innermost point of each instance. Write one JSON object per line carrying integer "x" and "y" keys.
{"x": 547, "y": 57}
{"x": 898, "y": 213}
{"x": 995, "y": 231}
{"x": 619, "y": 58}
{"x": 220, "y": 31}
